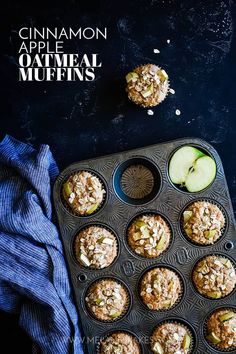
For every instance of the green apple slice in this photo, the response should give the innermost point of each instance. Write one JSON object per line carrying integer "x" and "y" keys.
{"x": 226, "y": 316}
{"x": 157, "y": 348}
{"x": 202, "y": 174}
{"x": 212, "y": 337}
{"x": 186, "y": 341}
{"x": 181, "y": 162}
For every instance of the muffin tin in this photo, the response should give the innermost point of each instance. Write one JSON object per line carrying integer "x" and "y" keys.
{"x": 116, "y": 213}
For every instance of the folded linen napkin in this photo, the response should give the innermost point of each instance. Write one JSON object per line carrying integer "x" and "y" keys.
{"x": 33, "y": 277}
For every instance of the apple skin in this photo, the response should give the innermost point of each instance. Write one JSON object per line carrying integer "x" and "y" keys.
{"x": 202, "y": 176}
{"x": 181, "y": 162}
{"x": 192, "y": 168}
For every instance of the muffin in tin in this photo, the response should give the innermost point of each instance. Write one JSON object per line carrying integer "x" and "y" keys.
{"x": 203, "y": 222}
{"x": 160, "y": 288}
{"x": 171, "y": 338}
{"x": 107, "y": 300}
{"x": 149, "y": 235}
{"x": 83, "y": 192}
{"x": 119, "y": 342}
{"x": 214, "y": 276}
{"x": 95, "y": 247}
{"x": 221, "y": 329}
{"x": 147, "y": 85}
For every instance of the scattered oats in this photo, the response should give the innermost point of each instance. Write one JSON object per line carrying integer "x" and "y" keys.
{"x": 172, "y": 91}
{"x": 156, "y": 51}
{"x": 176, "y": 336}
{"x": 150, "y": 112}
{"x": 177, "y": 112}
{"x": 168, "y": 41}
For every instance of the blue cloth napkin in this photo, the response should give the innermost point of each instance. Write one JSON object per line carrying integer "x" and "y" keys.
{"x": 33, "y": 277}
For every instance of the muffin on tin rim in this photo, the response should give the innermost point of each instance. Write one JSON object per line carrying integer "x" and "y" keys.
{"x": 172, "y": 337}
{"x": 83, "y": 192}
{"x": 203, "y": 222}
{"x": 220, "y": 328}
{"x": 214, "y": 276}
{"x": 147, "y": 85}
{"x": 119, "y": 341}
{"x": 107, "y": 299}
{"x": 149, "y": 235}
{"x": 160, "y": 288}
{"x": 95, "y": 246}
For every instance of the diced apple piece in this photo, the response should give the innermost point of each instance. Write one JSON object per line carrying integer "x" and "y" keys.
{"x": 214, "y": 294}
{"x": 157, "y": 348}
{"x": 84, "y": 260}
{"x": 226, "y": 262}
{"x": 66, "y": 189}
{"x": 227, "y": 316}
{"x": 181, "y": 162}
{"x": 137, "y": 236}
{"x": 139, "y": 223}
{"x": 98, "y": 301}
{"x": 114, "y": 313}
{"x": 92, "y": 209}
{"x": 132, "y": 76}
{"x": 213, "y": 338}
{"x": 145, "y": 232}
{"x": 209, "y": 233}
{"x": 202, "y": 175}
{"x": 187, "y": 215}
{"x": 107, "y": 241}
{"x": 148, "y": 91}
{"x": 162, "y": 75}
{"x": 161, "y": 243}
{"x": 186, "y": 341}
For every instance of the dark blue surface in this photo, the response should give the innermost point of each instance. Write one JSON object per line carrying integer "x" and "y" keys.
{"x": 83, "y": 120}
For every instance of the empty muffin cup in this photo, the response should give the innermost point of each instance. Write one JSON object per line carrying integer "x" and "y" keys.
{"x": 137, "y": 181}
{"x": 83, "y": 193}
{"x": 149, "y": 235}
{"x": 95, "y": 246}
{"x": 107, "y": 300}
{"x": 214, "y": 276}
{"x": 161, "y": 288}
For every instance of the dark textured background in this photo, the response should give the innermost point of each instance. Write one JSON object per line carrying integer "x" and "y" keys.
{"x": 83, "y": 120}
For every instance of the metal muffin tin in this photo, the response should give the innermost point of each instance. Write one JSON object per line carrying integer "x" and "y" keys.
{"x": 116, "y": 213}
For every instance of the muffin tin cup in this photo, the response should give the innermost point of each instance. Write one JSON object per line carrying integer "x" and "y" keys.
{"x": 223, "y": 229}
{"x": 126, "y": 309}
{"x": 149, "y": 213}
{"x": 116, "y": 213}
{"x": 222, "y": 255}
{"x": 73, "y": 251}
{"x": 107, "y": 334}
{"x": 211, "y": 345}
{"x": 101, "y": 205}
{"x": 186, "y": 325}
{"x": 181, "y": 294}
{"x": 199, "y": 147}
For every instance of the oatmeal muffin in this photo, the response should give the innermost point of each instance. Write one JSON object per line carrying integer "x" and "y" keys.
{"x": 95, "y": 247}
{"x": 214, "y": 276}
{"x": 147, "y": 85}
{"x": 171, "y": 338}
{"x": 119, "y": 343}
{"x": 221, "y": 329}
{"x": 160, "y": 288}
{"x": 203, "y": 222}
{"x": 149, "y": 235}
{"x": 107, "y": 300}
{"x": 83, "y": 192}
